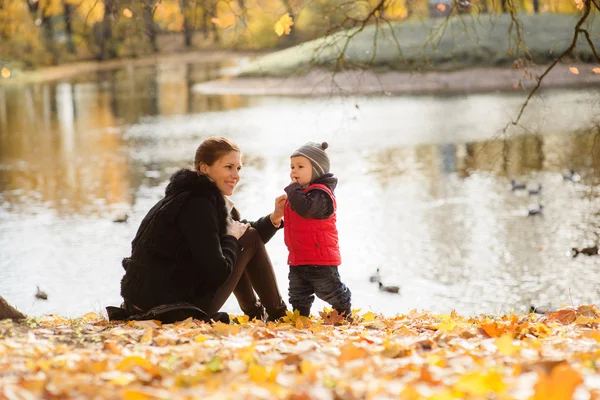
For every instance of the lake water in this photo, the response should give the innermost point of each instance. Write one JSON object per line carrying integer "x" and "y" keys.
{"x": 424, "y": 190}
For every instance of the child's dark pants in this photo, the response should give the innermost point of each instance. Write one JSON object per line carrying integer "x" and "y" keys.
{"x": 323, "y": 281}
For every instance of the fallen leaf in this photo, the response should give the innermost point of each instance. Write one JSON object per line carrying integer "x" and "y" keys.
{"x": 574, "y": 70}
{"x": 332, "y": 317}
{"x": 596, "y": 70}
{"x": 215, "y": 364}
{"x": 284, "y": 25}
{"x": 560, "y": 384}
{"x": 565, "y": 316}
{"x": 351, "y": 352}
{"x": 128, "y": 363}
{"x": 480, "y": 383}
{"x": 505, "y": 345}
{"x": 368, "y": 316}
{"x": 147, "y": 337}
{"x": 262, "y": 374}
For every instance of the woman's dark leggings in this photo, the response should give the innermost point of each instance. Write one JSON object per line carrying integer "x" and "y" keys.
{"x": 253, "y": 272}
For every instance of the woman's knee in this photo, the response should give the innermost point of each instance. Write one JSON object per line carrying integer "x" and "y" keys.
{"x": 250, "y": 238}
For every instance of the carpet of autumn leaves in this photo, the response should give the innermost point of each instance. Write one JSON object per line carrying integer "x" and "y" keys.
{"x": 417, "y": 355}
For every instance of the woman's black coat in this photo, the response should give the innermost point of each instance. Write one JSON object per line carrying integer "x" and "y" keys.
{"x": 181, "y": 251}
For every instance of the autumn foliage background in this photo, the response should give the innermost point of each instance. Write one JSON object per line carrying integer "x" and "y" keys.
{"x": 56, "y": 31}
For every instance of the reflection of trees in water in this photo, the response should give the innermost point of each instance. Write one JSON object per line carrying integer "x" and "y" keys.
{"x": 70, "y": 158}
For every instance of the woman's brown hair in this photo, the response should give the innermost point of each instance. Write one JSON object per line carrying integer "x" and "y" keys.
{"x": 212, "y": 149}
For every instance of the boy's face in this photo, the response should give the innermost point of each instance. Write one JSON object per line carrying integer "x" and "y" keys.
{"x": 300, "y": 170}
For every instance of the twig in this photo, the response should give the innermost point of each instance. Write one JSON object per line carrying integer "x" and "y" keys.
{"x": 586, "y": 13}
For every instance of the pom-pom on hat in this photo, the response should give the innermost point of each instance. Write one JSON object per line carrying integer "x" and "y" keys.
{"x": 315, "y": 153}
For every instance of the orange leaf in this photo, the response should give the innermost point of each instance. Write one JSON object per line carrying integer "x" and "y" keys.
{"x": 351, "y": 352}
{"x": 331, "y": 318}
{"x": 216, "y": 21}
{"x": 492, "y": 329}
{"x": 560, "y": 384}
{"x": 564, "y": 316}
{"x": 574, "y": 70}
{"x": 596, "y": 70}
{"x": 441, "y": 7}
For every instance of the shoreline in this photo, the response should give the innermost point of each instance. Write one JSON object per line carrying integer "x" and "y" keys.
{"x": 471, "y": 80}
{"x": 63, "y": 71}
{"x": 324, "y": 82}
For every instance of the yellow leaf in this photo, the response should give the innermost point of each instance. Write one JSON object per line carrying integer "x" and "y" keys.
{"x": 574, "y": 70}
{"x": 560, "y": 384}
{"x": 242, "y": 319}
{"x": 434, "y": 359}
{"x": 130, "y": 394}
{"x": 368, "y": 316}
{"x": 91, "y": 316}
{"x": 5, "y": 73}
{"x": 201, "y": 338}
{"x": 246, "y": 354}
{"x": 262, "y": 374}
{"x": 122, "y": 379}
{"x": 128, "y": 363}
{"x": 596, "y": 70}
{"x": 284, "y": 25}
{"x": 216, "y": 21}
{"x": 446, "y": 394}
{"x": 147, "y": 337}
{"x": 127, "y": 13}
{"x": 393, "y": 349}
{"x": 480, "y": 384}
{"x": 505, "y": 345}
{"x": 447, "y": 324}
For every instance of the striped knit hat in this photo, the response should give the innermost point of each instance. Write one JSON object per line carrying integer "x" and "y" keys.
{"x": 315, "y": 153}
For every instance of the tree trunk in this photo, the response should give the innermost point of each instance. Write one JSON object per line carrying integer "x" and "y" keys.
{"x": 504, "y": 6}
{"x": 187, "y": 26}
{"x": 408, "y": 4}
{"x": 107, "y": 47}
{"x": 48, "y": 37}
{"x": 68, "y": 27}
{"x": 205, "y": 22}
{"x": 536, "y": 6}
{"x": 9, "y": 312}
{"x": 149, "y": 23}
{"x": 213, "y": 27}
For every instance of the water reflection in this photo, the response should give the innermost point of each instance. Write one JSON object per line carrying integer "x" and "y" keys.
{"x": 424, "y": 186}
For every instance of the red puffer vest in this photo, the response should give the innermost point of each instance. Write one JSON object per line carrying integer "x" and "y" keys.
{"x": 312, "y": 241}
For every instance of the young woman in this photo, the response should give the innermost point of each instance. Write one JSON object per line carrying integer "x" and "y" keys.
{"x": 192, "y": 246}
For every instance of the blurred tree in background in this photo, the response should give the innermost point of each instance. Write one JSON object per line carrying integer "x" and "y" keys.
{"x": 43, "y": 32}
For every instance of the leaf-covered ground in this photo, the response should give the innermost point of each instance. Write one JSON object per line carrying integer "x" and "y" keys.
{"x": 412, "y": 356}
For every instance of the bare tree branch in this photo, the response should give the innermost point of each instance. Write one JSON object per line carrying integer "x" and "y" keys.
{"x": 569, "y": 50}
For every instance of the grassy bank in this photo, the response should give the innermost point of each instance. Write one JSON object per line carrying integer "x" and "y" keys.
{"x": 436, "y": 44}
{"x": 410, "y": 356}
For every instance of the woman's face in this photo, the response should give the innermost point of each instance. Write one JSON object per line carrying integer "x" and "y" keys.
{"x": 225, "y": 172}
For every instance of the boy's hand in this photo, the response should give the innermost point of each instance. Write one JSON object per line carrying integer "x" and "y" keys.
{"x": 277, "y": 213}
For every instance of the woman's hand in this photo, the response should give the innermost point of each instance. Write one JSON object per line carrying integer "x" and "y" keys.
{"x": 236, "y": 229}
{"x": 277, "y": 214}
